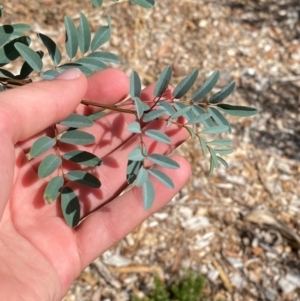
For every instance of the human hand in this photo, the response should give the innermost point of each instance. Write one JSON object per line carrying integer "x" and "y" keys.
{"x": 40, "y": 256}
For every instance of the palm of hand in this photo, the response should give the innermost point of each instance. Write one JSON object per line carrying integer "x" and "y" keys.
{"x": 42, "y": 255}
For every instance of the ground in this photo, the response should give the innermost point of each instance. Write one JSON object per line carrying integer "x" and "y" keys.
{"x": 238, "y": 227}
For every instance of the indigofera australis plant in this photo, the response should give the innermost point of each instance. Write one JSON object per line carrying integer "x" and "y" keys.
{"x": 199, "y": 114}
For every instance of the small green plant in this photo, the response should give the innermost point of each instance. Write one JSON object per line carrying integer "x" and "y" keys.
{"x": 189, "y": 288}
{"x": 200, "y": 115}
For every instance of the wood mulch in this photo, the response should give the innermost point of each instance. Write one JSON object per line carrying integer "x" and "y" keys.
{"x": 240, "y": 226}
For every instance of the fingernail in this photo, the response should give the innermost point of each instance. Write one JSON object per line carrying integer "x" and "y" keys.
{"x": 69, "y": 74}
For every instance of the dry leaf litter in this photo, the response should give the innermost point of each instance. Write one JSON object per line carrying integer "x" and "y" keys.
{"x": 239, "y": 227}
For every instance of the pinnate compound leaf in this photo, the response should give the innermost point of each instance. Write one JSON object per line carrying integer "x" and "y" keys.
{"x": 83, "y": 178}
{"x": 148, "y": 194}
{"x": 163, "y": 81}
{"x": 239, "y": 111}
{"x": 224, "y": 93}
{"x": 185, "y": 85}
{"x": 134, "y": 127}
{"x": 77, "y": 137}
{"x": 223, "y": 162}
{"x": 70, "y": 207}
{"x": 144, "y": 3}
{"x": 49, "y": 165}
{"x": 77, "y": 121}
{"x": 207, "y": 86}
{"x": 40, "y": 146}
{"x": 83, "y": 157}
{"x": 101, "y": 36}
{"x": 216, "y": 130}
{"x": 30, "y": 56}
{"x": 219, "y": 118}
{"x": 71, "y": 42}
{"x": 158, "y": 136}
{"x": 50, "y": 74}
{"x": 139, "y": 105}
{"x": 164, "y": 161}
{"x": 141, "y": 177}
{"x": 53, "y": 189}
{"x": 97, "y": 3}
{"x": 132, "y": 170}
{"x": 106, "y": 57}
{"x": 52, "y": 48}
{"x": 162, "y": 177}
{"x": 153, "y": 115}
{"x": 84, "y": 34}
{"x": 136, "y": 154}
{"x": 9, "y": 53}
{"x": 135, "y": 85}
{"x": 221, "y": 142}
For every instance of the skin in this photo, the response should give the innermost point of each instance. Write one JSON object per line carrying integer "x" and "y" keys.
{"x": 40, "y": 255}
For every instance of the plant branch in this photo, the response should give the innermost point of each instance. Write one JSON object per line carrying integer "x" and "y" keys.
{"x": 112, "y": 108}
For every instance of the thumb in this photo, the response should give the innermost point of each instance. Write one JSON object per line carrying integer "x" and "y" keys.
{"x": 28, "y": 110}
